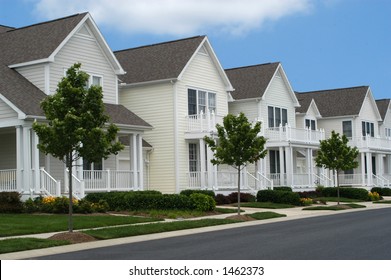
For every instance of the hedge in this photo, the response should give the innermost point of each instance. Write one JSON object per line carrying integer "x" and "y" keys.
{"x": 354, "y": 193}
{"x": 206, "y": 192}
{"x": 10, "y": 202}
{"x": 382, "y": 191}
{"x": 277, "y": 196}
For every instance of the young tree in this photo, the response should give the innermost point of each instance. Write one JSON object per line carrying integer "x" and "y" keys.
{"x": 77, "y": 126}
{"x": 336, "y": 155}
{"x": 237, "y": 145}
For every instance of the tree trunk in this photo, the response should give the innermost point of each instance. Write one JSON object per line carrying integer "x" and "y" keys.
{"x": 70, "y": 218}
{"x": 239, "y": 191}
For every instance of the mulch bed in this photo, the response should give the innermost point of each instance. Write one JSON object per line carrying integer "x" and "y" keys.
{"x": 73, "y": 237}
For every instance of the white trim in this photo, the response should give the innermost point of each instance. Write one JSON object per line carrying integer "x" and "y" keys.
{"x": 176, "y": 141}
{"x": 32, "y": 62}
{"x": 10, "y": 123}
{"x": 373, "y": 103}
{"x": 47, "y": 78}
{"x": 125, "y": 85}
{"x": 21, "y": 115}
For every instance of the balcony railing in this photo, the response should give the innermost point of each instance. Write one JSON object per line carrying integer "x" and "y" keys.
{"x": 203, "y": 122}
{"x": 288, "y": 133}
{"x": 376, "y": 143}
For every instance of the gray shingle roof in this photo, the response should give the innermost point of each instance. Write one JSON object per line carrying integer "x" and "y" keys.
{"x": 382, "y": 105}
{"x": 336, "y": 102}
{"x": 305, "y": 102}
{"x": 36, "y": 42}
{"x": 157, "y": 62}
{"x": 251, "y": 81}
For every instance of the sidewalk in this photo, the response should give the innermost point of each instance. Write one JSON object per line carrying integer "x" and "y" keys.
{"x": 291, "y": 214}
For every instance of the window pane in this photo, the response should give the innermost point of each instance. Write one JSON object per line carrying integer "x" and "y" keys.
{"x": 284, "y": 116}
{"x": 192, "y": 157}
{"x": 271, "y": 116}
{"x": 307, "y": 123}
{"x": 192, "y": 102}
{"x": 201, "y": 101}
{"x": 277, "y": 116}
{"x": 368, "y": 131}
{"x": 313, "y": 125}
{"x": 347, "y": 128}
{"x": 363, "y": 129}
{"x": 372, "y": 130}
{"x": 96, "y": 81}
{"x": 212, "y": 102}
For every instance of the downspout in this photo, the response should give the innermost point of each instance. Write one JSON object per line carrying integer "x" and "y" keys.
{"x": 176, "y": 164}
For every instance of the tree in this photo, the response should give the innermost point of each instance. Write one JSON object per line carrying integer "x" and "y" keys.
{"x": 76, "y": 125}
{"x": 336, "y": 155}
{"x": 237, "y": 145}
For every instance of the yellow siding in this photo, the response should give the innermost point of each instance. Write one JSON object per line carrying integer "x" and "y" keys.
{"x": 154, "y": 104}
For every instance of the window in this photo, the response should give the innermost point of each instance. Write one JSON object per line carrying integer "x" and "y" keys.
{"x": 388, "y": 132}
{"x": 310, "y": 124}
{"x": 368, "y": 128}
{"x": 347, "y": 129}
{"x": 277, "y": 116}
{"x": 193, "y": 157}
{"x": 274, "y": 162}
{"x": 92, "y": 166}
{"x": 200, "y": 100}
{"x": 96, "y": 80}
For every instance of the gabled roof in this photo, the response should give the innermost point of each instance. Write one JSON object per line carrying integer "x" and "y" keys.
{"x": 121, "y": 115}
{"x": 336, "y": 102}
{"x": 305, "y": 104}
{"x": 4, "y": 28}
{"x": 382, "y": 105}
{"x": 251, "y": 81}
{"x": 36, "y": 42}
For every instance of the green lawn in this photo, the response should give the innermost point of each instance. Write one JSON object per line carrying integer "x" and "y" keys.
{"x": 335, "y": 199}
{"x": 383, "y": 202}
{"x": 335, "y": 207}
{"x": 21, "y": 224}
{"x": 265, "y": 215}
{"x": 267, "y": 205}
{"x": 23, "y": 244}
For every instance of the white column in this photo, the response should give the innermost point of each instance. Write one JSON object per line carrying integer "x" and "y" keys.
{"x": 202, "y": 162}
{"x": 363, "y": 169}
{"x": 133, "y": 158}
{"x": 140, "y": 161}
{"x": 309, "y": 166}
{"x": 282, "y": 177}
{"x": 379, "y": 164}
{"x": 26, "y": 158}
{"x": 211, "y": 169}
{"x": 289, "y": 165}
{"x": 19, "y": 158}
{"x": 369, "y": 168}
{"x": 35, "y": 162}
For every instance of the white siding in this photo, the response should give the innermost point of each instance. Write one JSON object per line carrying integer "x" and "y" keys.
{"x": 336, "y": 124}
{"x": 154, "y": 104}
{"x": 200, "y": 74}
{"x": 386, "y": 123}
{"x": 277, "y": 95}
{"x": 249, "y": 108}
{"x": 367, "y": 114}
{"x": 6, "y": 112}
{"x": 8, "y": 151}
{"x": 88, "y": 52}
{"x": 35, "y": 74}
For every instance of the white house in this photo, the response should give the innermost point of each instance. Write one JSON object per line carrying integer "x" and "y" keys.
{"x": 354, "y": 113}
{"x": 33, "y": 59}
{"x": 180, "y": 88}
{"x": 264, "y": 93}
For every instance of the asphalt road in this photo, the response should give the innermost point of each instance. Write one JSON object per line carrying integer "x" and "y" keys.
{"x": 362, "y": 235}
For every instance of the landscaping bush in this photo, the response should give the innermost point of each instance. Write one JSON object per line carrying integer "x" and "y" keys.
{"x": 276, "y": 196}
{"x": 373, "y": 196}
{"x": 202, "y": 202}
{"x": 382, "y": 191}
{"x": 222, "y": 199}
{"x": 309, "y": 194}
{"x": 283, "y": 188}
{"x": 206, "y": 192}
{"x": 347, "y": 192}
{"x": 10, "y": 202}
{"x": 244, "y": 197}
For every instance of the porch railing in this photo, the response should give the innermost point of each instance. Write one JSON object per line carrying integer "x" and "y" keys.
{"x": 351, "y": 179}
{"x": 288, "y": 133}
{"x": 49, "y": 185}
{"x": 377, "y": 143}
{"x": 107, "y": 180}
{"x": 8, "y": 180}
{"x": 203, "y": 122}
{"x": 264, "y": 181}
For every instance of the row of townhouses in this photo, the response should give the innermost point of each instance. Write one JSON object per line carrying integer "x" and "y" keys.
{"x": 165, "y": 98}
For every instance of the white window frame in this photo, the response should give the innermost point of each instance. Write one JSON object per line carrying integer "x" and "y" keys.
{"x": 203, "y": 104}
{"x": 311, "y": 120}
{"x": 275, "y": 108}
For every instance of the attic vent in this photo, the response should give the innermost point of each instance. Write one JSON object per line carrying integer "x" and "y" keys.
{"x": 203, "y": 50}
{"x": 278, "y": 74}
{"x": 84, "y": 31}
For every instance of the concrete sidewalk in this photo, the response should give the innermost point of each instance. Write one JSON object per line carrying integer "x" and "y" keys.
{"x": 291, "y": 214}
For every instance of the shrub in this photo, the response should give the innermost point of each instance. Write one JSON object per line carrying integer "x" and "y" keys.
{"x": 244, "y": 197}
{"x": 373, "y": 196}
{"x": 309, "y": 194}
{"x": 283, "y": 188}
{"x": 347, "y": 192}
{"x": 382, "y": 191}
{"x": 202, "y": 202}
{"x": 276, "y": 196}
{"x": 10, "y": 202}
{"x": 222, "y": 199}
{"x": 306, "y": 201}
{"x": 190, "y": 192}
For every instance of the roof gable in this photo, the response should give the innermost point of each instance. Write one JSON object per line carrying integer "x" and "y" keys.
{"x": 383, "y": 105}
{"x": 157, "y": 62}
{"x": 372, "y": 103}
{"x": 336, "y": 102}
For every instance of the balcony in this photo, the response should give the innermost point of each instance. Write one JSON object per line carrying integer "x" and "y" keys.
{"x": 371, "y": 143}
{"x": 294, "y": 135}
{"x": 202, "y": 124}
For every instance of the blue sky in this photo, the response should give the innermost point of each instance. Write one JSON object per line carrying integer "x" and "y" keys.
{"x": 322, "y": 44}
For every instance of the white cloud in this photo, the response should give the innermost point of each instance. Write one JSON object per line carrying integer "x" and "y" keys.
{"x": 177, "y": 17}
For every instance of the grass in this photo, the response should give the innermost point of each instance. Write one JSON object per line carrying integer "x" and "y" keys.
{"x": 127, "y": 231}
{"x": 268, "y": 205}
{"x": 21, "y": 224}
{"x": 175, "y": 214}
{"x": 335, "y": 199}
{"x": 335, "y": 207}
{"x": 23, "y": 244}
{"x": 265, "y": 215}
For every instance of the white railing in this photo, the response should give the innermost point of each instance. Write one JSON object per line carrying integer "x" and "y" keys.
{"x": 195, "y": 180}
{"x": 49, "y": 185}
{"x": 301, "y": 180}
{"x": 264, "y": 181}
{"x": 288, "y": 133}
{"x": 323, "y": 180}
{"x": 107, "y": 180}
{"x": 380, "y": 181}
{"x": 278, "y": 179}
{"x": 203, "y": 122}
{"x": 351, "y": 179}
{"x": 8, "y": 180}
{"x": 228, "y": 179}
{"x": 369, "y": 142}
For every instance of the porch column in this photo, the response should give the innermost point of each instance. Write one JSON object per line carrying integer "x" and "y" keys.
{"x": 282, "y": 173}
{"x": 26, "y": 159}
{"x": 309, "y": 166}
{"x": 202, "y": 162}
{"x": 133, "y": 158}
{"x": 369, "y": 168}
{"x": 35, "y": 162}
{"x": 379, "y": 164}
{"x": 212, "y": 169}
{"x": 140, "y": 161}
{"x": 363, "y": 169}
{"x": 289, "y": 165}
{"x": 19, "y": 159}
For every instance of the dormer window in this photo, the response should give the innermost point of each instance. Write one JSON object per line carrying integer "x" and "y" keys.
{"x": 310, "y": 124}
